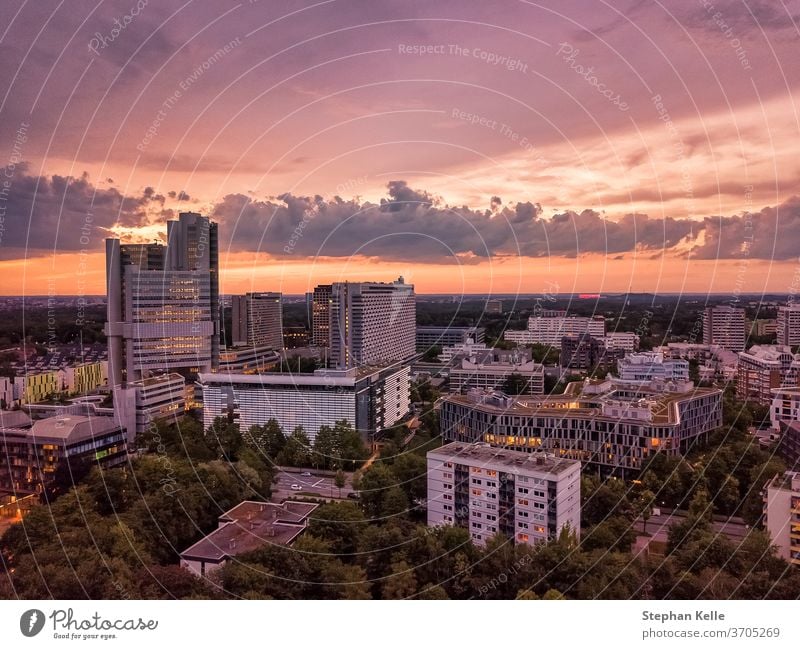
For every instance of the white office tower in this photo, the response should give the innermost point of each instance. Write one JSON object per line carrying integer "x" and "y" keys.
{"x": 372, "y": 323}
{"x": 724, "y": 325}
{"x": 782, "y": 514}
{"x": 163, "y": 302}
{"x": 257, "y": 320}
{"x": 527, "y": 497}
{"x": 788, "y": 325}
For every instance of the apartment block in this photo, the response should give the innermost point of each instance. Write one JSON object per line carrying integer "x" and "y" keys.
{"x": 257, "y": 320}
{"x": 427, "y": 337}
{"x": 764, "y": 368}
{"x": 550, "y": 328}
{"x": 36, "y": 387}
{"x": 321, "y": 316}
{"x": 724, "y": 325}
{"x": 85, "y": 377}
{"x": 649, "y": 366}
{"x": 610, "y": 426}
{"x": 527, "y": 497}
{"x": 372, "y": 323}
{"x": 369, "y": 398}
{"x": 787, "y": 325}
{"x": 489, "y": 371}
{"x": 782, "y": 514}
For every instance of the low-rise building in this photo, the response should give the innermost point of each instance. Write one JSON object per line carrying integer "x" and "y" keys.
{"x": 35, "y": 387}
{"x": 138, "y": 405}
{"x": 527, "y": 497}
{"x": 248, "y": 359}
{"x": 85, "y": 377}
{"x": 244, "y": 528}
{"x": 34, "y": 451}
{"x": 626, "y": 341}
{"x": 782, "y": 514}
{"x": 369, "y": 398}
{"x": 549, "y": 329}
{"x": 612, "y": 426}
{"x": 649, "y": 366}
{"x": 490, "y": 372}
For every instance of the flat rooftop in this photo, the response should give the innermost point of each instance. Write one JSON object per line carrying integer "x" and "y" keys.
{"x": 579, "y": 404}
{"x": 249, "y": 526}
{"x": 483, "y": 454}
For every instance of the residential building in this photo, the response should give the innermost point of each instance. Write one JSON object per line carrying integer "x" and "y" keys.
{"x": 369, "y": 398}
{"x": 550, "y": 328}
{"x": 471, "y": 348}
{"x": 246, "y": 527}
{"x": 762, "y": 369}
{"x": 647, "y": 366}
{"x": 35, "y": 387}
{"x": 35, "y": 451}
{"x": 7, "y": 398}
{"x": 581, "y": 351}
{"x": 626, "y": 341}
{"x": 609, "y": 425}
{"x": 139, "y": 405}
{"x": 787, "y": 326}
{"x": 527, "y": 497}
{"x": 295, "y": 337}
{"x": 257, "y": 320}
{"x": 427, "y": 337}
{"x": 372, "y": 323}
{"x": 763, "y": 327}
{"x": 782, "y": 514}
{"x": 494, "y": 306}
{"x": 163, "y": 302}
{"x": 491, "y": 369}
{"x": 789, "y": 443}
{"x": 321, "y": 316}
{"x": 724, "y": 325}
{"x": 85, "y": 377}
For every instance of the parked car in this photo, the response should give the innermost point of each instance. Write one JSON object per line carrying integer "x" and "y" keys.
{"x": 296, "y": 487}
{"x": 306, "y": 474}
{"x": 353, "y": 495}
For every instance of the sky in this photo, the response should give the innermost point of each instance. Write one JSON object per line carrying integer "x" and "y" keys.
{"x": 500, "y": 146}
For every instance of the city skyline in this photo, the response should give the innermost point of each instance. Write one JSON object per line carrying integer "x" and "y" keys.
{"x": 467, "y": 155}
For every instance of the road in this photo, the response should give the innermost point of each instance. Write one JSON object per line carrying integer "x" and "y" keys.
{"x": 658, "y": 526}
{"x": 320, "y": 485}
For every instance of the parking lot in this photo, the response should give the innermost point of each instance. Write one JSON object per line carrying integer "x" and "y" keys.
{"x": 319, "y": 485}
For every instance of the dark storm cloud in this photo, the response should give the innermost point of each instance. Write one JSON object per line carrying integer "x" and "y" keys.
{"x": 65, "y": 214}
{"x": 411, "y": 226}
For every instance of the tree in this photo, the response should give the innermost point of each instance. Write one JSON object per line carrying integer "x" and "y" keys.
{"x": 340, "y": 481}
{"x": 224, "y": 436}
{"x": 269, "y": 438}
{"x": 515, "y": 383}
{"x": 297, "y": 451}
{"x": 644, "y": 507}
{"x": 326, "y": 448}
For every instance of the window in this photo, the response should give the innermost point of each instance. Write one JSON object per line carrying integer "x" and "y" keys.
{"x": 524, "y": 526}
{"x": 476, "y": 481}
{"x": 522, "y": 537}
{"x": 522, "y": 501}
{"x": 523, "y": 490}
{"x": 477, "y": 526}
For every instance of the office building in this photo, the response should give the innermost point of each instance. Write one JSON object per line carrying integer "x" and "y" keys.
{"x": 762, "y": 327}
{"x": 372, "y": 323}
{"x": 35, "y": 451}
{"x": 244, "y": 528}
{"x": 724, "y": 325}
{"x": 762, "y": 369}
{"x": 550, "y": 328}
{"x": 140, "y": 405}
{"x": 609, "y": 425}
{"x": 257, "y": 320}
{"x": 649, "y": 366}
{"x": 428, "y": 337}
{"x": 370, "y": 399}
{"x": 782, "y": 514}
{"x": 295, "y": 337}
{"x": 787, "y": 326}
{"x": 163, "y": 302}
{"x": 248, "y": 359}
{"x": 321, "y": 315}
{"x": 527, "y": 497}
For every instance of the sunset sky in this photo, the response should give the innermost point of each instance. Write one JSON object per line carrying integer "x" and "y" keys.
{"x": 504, "y": 146}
